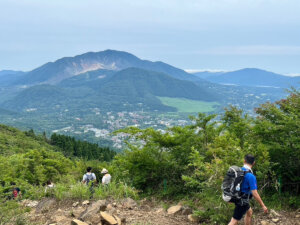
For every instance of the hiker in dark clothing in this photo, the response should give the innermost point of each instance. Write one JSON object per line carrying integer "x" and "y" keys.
{"x": 89, "y": 176}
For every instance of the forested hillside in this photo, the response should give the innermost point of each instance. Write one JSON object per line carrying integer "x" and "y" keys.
{"x": 184, "y": 163}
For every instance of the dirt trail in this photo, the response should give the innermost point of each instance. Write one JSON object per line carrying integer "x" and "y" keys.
{"x": 144, "y": 213}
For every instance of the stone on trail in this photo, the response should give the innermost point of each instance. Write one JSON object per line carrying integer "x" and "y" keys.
{"x": 60, "y": 219}
{"x": 109, "y": 207}
{"x": 78, "y": 222}
{"x": 75, "y": 204}
{"x": 95, "y": 219}
{"x": 29, "y": 203}
{"x": 45, "y": 205}
{"x": 275, "y": 220}
{"x": 77, "y": 212}
{"x": 118, "y": 220}
{"x": 160, "y": 210}
{"x": 273, "y": 213}
{"x": 93, "y": 209}
{"x": 264, "y": 222}
{"x": 108, "y": 218}
{"x": 193, "y": 219}
{"x": 86, "y": 202}
{"x": 174, "y": 209}
{"x": 129, "y": 203}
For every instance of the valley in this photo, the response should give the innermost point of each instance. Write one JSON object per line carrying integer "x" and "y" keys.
{"x": 90, "y": 96}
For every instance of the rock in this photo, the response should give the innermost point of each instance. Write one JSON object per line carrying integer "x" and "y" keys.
{"x": 78, "y": 222}
{"x": 129, "y": 203}
{"x": 298, "y": 216}
{"x": 61, "y": 219}
{"x": 123, "y": 220}
{"x": 75, "y": 204}
{"x": 85, "y": 202}
{"x": 95, "y": 219}
{"x": 118, "y": 220}
{"x": 264, "y": 222}
{"x": 45, "y": 205}
{"x": 108, "y": 218}
{"x": 77, "y": 212}
{"x": 275, "y": 220}
{"x": 160, "y": 210}
{"x": 174, "y": 209}
{"x": 93, "y": 209}
{"x": 109, "y": 207}
{"x": 187, "y": 211}
{"x": 29, "y": 203}
{"x": 273, "y": 213}
{"x": 193, "y": 219}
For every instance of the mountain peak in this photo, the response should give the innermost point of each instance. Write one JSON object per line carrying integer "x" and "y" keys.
{"x": 61, "y": 69}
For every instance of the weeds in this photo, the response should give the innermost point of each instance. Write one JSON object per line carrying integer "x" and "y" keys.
{"x": 116, "y": 191}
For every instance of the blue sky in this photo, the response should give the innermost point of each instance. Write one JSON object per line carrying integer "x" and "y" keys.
{"x": 191, "y": 34}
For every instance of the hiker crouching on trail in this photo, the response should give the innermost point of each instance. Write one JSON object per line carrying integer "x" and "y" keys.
{"x": 248, "y": 189}
{"x": 89, "y": 177}
{"x": 106, "y": 177}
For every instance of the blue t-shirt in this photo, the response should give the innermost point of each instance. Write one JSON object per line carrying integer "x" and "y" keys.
{"x": 249, "y": 182}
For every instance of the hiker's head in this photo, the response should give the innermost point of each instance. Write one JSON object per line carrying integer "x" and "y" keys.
{"x": 104, "y": 171}
{"x": 49, "y": 182}
{"x": 249, "y": 159}
{"x": 89, "y": 169}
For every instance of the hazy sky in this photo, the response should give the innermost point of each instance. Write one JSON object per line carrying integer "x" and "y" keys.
{"x": 190, "y": 34}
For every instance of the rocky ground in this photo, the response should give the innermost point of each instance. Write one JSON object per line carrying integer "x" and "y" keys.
{"x": 127, "y": 211}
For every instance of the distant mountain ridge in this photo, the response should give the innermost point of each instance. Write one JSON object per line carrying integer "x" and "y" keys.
{"x": 131, "y": 86}
{"x": 252, "y": 77}
{"x": 64, "y": 68}
{"x": 8, "y": 77}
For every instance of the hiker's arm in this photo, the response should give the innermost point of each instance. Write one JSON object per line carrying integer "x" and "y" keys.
{"x": 83, "y": 179}
{"x": 258, "y": 199}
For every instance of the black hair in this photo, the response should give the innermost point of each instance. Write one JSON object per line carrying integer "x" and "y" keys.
{"x": 49, "y": 182}
{"x": 89, "y": 169}
{"x": 250, "y": 159}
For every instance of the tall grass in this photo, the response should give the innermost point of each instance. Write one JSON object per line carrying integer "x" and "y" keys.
{"x": 115, "y": 190}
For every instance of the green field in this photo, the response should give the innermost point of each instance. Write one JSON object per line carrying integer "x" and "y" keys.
{"x": 189, "y": 106}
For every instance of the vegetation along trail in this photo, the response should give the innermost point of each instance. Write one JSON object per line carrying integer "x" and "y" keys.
{"x": 171, "y": 177}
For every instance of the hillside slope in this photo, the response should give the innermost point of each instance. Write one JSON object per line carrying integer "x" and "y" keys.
{"x": 14, "y": 141}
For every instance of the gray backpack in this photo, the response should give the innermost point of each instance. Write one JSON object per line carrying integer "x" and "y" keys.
{"x": 232, "y": 184}
{"x": 89, "y": 177}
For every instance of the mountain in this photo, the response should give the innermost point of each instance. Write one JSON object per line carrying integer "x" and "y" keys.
{"x": 8, "y": 77}
{"x": 55, "y": 72}
{"x": 255, "y": 78}
{"x": 121, "y": 90}
{"x": 137, "y": 85}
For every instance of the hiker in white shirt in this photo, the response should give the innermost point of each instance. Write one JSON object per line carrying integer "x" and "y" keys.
{"x": 106, "y": 177}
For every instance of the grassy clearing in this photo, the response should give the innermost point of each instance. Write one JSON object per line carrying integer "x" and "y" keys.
{"x": 189, "y": 106}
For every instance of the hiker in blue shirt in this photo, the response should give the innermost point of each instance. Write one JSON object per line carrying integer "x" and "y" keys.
{"x": 248, "y": 189}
